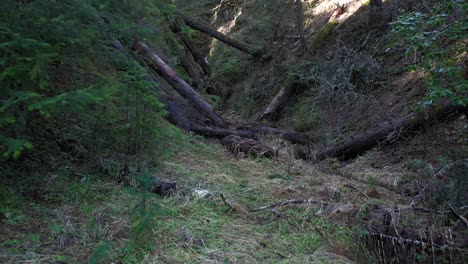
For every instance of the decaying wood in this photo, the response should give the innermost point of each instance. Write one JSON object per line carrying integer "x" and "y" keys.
{"x": 461, "y": 217}
{"x": 185, "y": 90}
{"x": 191, "y": 67}
{"x": 388, "y": 132}
{"x": 178, "y": 112}
{"x": 279, "y": 214}
{"x": 413, "y": 242}
{"x": 237, "y": 144}
{"x": 250, "y": 132}
{"x": 289, "y": 202}
{"x": 221, "y": 132}
{"x": 233, "y": 206}
{"x": 207, "y": 29}
{"x": 377, "y": 207}
{"x": 278, "y": 102}
{"x": 177, "y": 29}
{"x": 291, "y": 136}
{"x": 164, "y": 188}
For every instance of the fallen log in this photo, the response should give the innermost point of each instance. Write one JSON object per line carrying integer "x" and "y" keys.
{"x": 177, "y": 110}
{"x": 291, "y": 136}
{"x": 191, "y": 67}
{"x": 248, "y": 146}
{"x": 221, "y": 132}
{"x": 207, "y": 29}
{"x": 185, "y": 90}
{"x": 388, "y": 132}
{"x": 177, "y": 29}
{"x": 250, "y": 132}
{"x": 278, "y": 102}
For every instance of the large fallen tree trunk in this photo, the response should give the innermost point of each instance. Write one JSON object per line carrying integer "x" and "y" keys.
{"x": 221, "y": 132}
{"x": 190, "y": 65}
{"x": 291, "y": 136}
{"x": 388, "y": 132}
{"x": 185, "y": 90}
{"x": 185, "y": 39}
{"x": 175, "y": 108}
{"x": 207, "y": 29}
{"x": 278, "y": 102}
{"x": 250, "y": 132}
{"x": 248, "y": 146}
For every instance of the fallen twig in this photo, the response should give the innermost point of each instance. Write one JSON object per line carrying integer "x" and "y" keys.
{"x": 279, "y": 214}
{"x": 462, "y": 218}
{"x": 289, "y": 202}
{"x": 312, "y": 201}
{"x": 415, "y": 242}
{"x": 357, "y": 189}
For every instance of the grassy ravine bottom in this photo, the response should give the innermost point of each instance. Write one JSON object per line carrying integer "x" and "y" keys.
{"x": 76, "y": 218}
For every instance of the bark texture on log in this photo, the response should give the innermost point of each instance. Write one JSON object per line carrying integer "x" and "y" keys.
{"x": 291, "y": 136}
{"x": 237, "y": 145}
{"x": 250, "y": 132}
{"x": 388, "y": 132}
{"x": 185, "y": 39}
{"x": 276, "y": 105}
{"x": 179, "y": 113}
{"x": 222, "y": 132}
{"x": 207, "y": 29}
{"x": 185, "y": 90}
{"x": 191, "y": 66}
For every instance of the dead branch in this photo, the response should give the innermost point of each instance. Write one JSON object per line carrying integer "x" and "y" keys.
{"x": 461, "y": 217}
{"x": 289, "y": 202}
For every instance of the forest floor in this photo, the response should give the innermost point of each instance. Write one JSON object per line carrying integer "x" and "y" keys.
{"x": 77, "y": 218}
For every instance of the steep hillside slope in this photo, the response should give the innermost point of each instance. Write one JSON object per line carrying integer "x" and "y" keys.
{"x": 130, "y": 135}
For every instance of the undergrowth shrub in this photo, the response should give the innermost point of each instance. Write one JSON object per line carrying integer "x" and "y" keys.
{"x": 344, "y": 76}
{"x": 59, "y": 65}
{"x": 306, "y": 114}
{"x": 228, "y": 67}
{"x": 434, "y": 41}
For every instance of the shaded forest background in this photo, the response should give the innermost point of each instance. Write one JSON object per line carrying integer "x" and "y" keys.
{"x": 87, "y": 120}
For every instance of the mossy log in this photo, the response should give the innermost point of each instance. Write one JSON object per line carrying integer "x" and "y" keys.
{"x": 188, "y": 43}
{"x": 250, "y": 132}
{"x": 387, "y": 132}
{"x": 207, "y": 29}
{"x": 171, "y": 77}
{"x": 248, "y": 146}
{"x": 273, "y": 109}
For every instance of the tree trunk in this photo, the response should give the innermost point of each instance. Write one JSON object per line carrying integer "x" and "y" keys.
{"x": 250, "y": 132}
{"x": 191, "y": 67}
{"x": 291, "y": 136}
{"x": 237, "y": 144}
{"x": 185, "y": 39}
{"x": 222, "y": 132}
{"x": 387, "y": 132}
{"x": 177, "y": 83}
{"x": 300, "y": 23}
{"x": 176, "y": 115}
{"x": 207, "y": 29}
{"x": 276, "y": 105}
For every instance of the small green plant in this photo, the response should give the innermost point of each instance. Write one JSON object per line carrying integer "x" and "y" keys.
{"x": 306, "y": 115}
{"x": 434, "y": 43}
{"x": 285, "y": 177}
